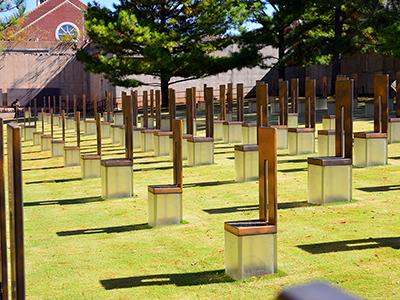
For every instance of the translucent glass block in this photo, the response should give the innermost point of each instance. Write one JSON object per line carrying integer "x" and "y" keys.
{"x": 115, "y": 133}
{"x": 249, "y": 134}
{"x": 293, "y": 120}
{"x": 200, "y": 153}
{"x": 326, "y": 145}
{"x": 250, "y": 255}
{"x": 71, "y": 157}
{"x": 233, "y": 133}
{"x": 70, "y": 122}
{"x": 246, "y": 165}
{"x": 28, "y": 133}
{"x": 147, "y": 141}
{"x": 394, "y": 132}
{"x": 328, "y": 123}
{"x": 37, "y": 138}
{"x": 301, "y": 143}
{"x": 161, "y": 145}
{"x": 370, "y": 152}
{"x": 90, "y": 127}
{"x": 329, "y": 183}
{"x": 46, "y": 142}
{"x": 116, "y": 181}
{"x": 165, "y": 124}
{"x": 90, "y": 166}
{"x": 105, "y": 130}
{"x": 57, "y": 148}
{"x": 164, "y": 209}
{"x": 118, "y": 118}
{"x": 282, "y": 135}
{"x": 218, "y": 130}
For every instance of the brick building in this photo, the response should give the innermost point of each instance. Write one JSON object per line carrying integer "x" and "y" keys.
{"x": 38, "y": 62}
{"x": 53, "y": 20}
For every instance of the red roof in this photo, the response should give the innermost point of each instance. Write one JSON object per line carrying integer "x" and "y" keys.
{"x": 47, "y": 7}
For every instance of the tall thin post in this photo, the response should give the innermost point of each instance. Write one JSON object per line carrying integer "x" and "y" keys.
{"x": 51, "y": 123}
{"x": 267, "y": 162}
{"x": 177, "y": 128}
{"x": 222, "y": 102}
{"x": 240, "y": 102}
{"x": 134, "y": 95}
{"x": 42, "y": 120}
{"x": 67, "y": 106}
{"x": 60, "y": 104}
{"x": 145, "y": 103}
{"x": 63, "y": 125}
{"x": 294, "y": 94}
{"x": 3, "y": 220}
{"x": 209, "y": 94}
{"x": 78, "y": 128}
{"x": 152, "y": 103}
{"x": 189, "y": 111}
{"x": 16, "y": 208}
{"x": 344, "y": 118}
{"x": 158, "y": 109}
{"x": 84, "y": 106}
{"x": 262, "y": 104}
{"x": 172, "y": 107}
{"x": 283, "y": 102}
{"x": 381, "y": 110}
{"x": 229, "y": 97}
{"x": 310, "y": 103}
{"x": 36, "y": 111}
{"x": 128, "y": 128}
{"x": 75, "y": 105}
{"x": 98, "y": 132}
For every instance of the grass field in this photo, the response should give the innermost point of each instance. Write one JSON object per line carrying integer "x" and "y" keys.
{"x": 81, "y": 247}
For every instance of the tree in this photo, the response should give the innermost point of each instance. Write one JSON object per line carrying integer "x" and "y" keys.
{"x": 280, "y": 25}
{"x": 340, "y": 27}
{"x": 166, "y": 39}
{"x": 10, "y": 13}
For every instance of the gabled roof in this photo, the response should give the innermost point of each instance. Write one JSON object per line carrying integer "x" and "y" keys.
{"x": 48, "y": 7}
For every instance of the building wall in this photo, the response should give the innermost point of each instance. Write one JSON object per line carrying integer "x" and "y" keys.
{"x": 35, "y": 69}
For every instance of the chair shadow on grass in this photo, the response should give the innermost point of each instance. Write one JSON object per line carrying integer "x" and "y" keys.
{"x": 64, "y": 201}
{"x": 44, "y": 168}
{"x": 153, "y": 169}
{"x": 183, "y": 279}
{"x": 37, "y": 158}
{"x": 384, "y": 188}
{"x": 209, "y": 183}
{"x": 351, "y": 245}
{"x": 294, "y": 170}
{"x": 108, "y": 230}
{"x": 54, "y": 181}
{"x": 245, "y": 208}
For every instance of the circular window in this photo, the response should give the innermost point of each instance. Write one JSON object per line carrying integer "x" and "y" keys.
{"x": 67, "y": 32}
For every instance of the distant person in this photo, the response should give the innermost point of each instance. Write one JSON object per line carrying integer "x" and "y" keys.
{"x": 16, "y": 105}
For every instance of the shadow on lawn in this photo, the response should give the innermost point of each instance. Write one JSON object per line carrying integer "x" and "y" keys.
{"x": 293, "y": 170}
{"x": 210, "y": 183}
{"x": 292, "y": 161}
{"x": 54, "y": 181}
{"x": 384, "y": 188}
{"x": 244, "y": 208}
{"x": 153, "y": 169}
{"x": 44, "y": 168}
{"x": 351, "y": 245}
{"x": 184, "y": 279}
{"x": 38, "y": 158}
{"x": 115, "y": 229}
{"x": 64, "y": 201}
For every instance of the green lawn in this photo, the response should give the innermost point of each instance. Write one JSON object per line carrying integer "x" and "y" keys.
{"x": 81, "y": 247}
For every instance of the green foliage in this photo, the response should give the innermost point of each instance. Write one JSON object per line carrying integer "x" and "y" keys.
{"x": 166, "y": 39}
{"x": 10, "y": 13}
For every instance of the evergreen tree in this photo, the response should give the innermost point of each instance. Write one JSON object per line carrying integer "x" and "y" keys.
{"x": 166, "y": 39}
{"x": 10, "y": 12}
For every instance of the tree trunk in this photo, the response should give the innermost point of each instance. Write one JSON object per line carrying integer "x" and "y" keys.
{"x": 164, "y": 92}
{"x": 337, "y": 56}
{"x": 281, "y": 50}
